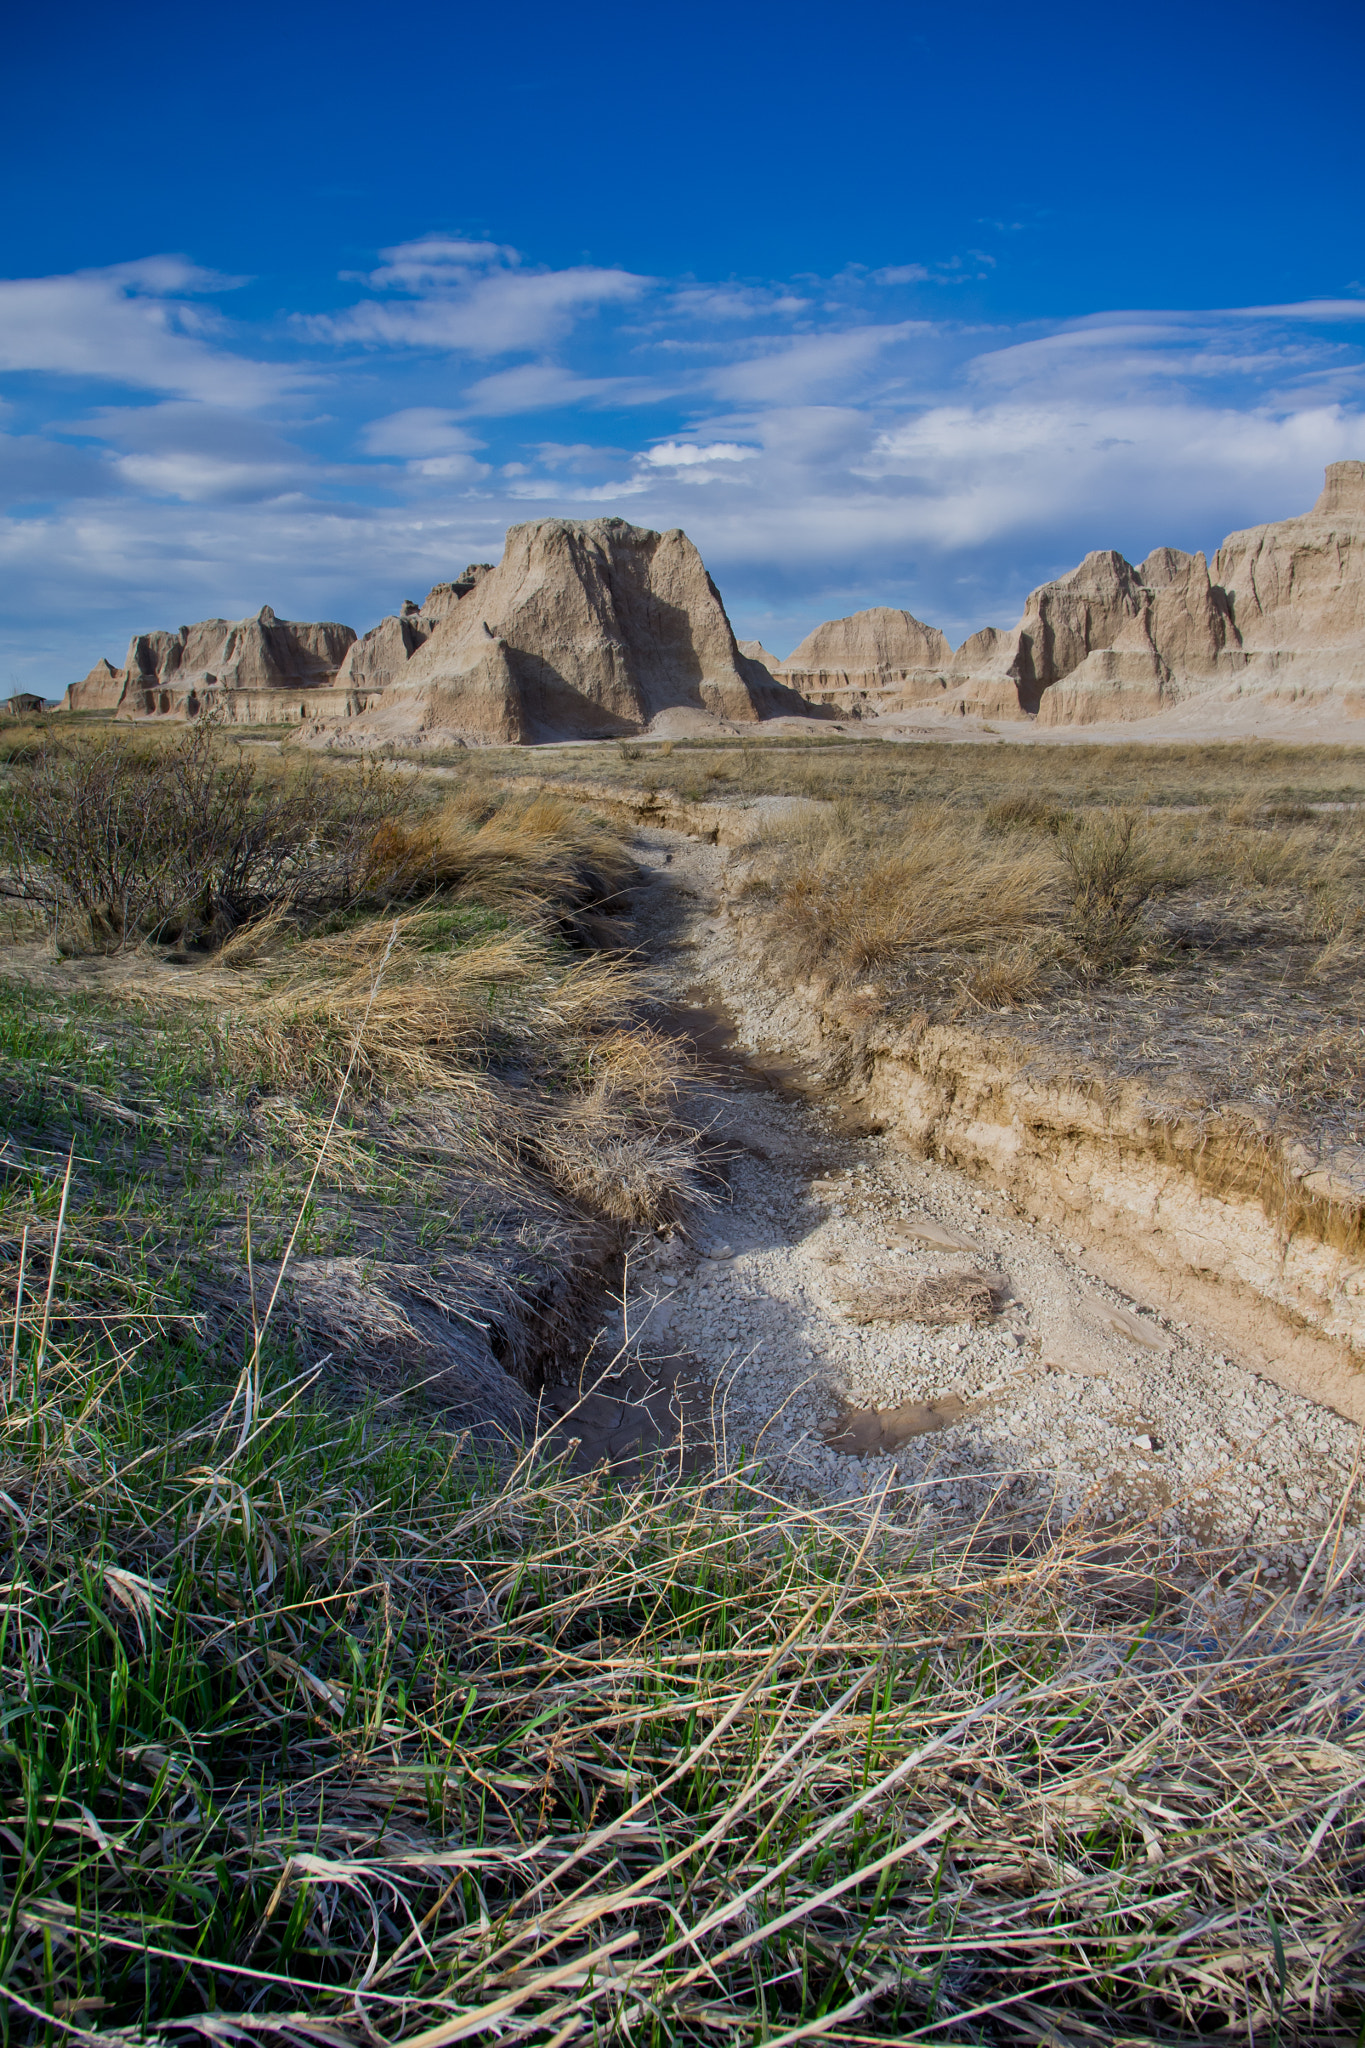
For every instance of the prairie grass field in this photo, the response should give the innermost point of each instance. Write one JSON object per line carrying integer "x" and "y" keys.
{"x": 1189, "y": 915}
{"x": 337, "y": 1706}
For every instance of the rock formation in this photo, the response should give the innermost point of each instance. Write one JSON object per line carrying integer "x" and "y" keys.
{"x": 1278, "y": 615}
{"x": 586, "y": 629}
{"x": 859, "y": 662}
{"x": 379, "y": 657}
{"x": 246, "y": 670}
{"x": 99, "y": 691}
{"x": 590, "y": 629}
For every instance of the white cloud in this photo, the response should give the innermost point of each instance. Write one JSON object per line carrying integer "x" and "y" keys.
{"x": 474, "y": 298}
{"x": 536, "y": 387}
{"x": 129, "y": 324}
{"x": 434, "y": 260}
{"x": 809, "y": 364}
{"x": 821, "y": 460}
{"x": 197, "y": 453}
{"x": 418, "y": 432}
{"x": 729, "y": 302}
{"x": 684, "y": 454}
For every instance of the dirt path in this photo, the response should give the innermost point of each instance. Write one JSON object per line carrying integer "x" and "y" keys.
{"x": 850, "y": 1304}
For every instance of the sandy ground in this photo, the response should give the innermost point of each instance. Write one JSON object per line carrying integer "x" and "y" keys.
{"x": 792, "y": 1325}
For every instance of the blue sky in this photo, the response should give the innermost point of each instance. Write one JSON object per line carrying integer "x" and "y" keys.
{"x": 303, "y": 305}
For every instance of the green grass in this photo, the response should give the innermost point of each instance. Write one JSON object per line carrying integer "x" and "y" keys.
{"x": 315, "y": 1721}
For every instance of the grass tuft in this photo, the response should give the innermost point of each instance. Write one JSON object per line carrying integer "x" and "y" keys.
{"x": 317, "y": 1729}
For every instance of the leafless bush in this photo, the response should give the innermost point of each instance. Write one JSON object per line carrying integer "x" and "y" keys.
{"x": 184, "y": 842}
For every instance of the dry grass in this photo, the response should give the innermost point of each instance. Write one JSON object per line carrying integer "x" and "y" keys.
{"x": 877, "y": 774}
{"x": 1017, "y": 973}
{"x": 318, "y": 1734}
{"x": 505, "y": 851}
{"x": 941, "y": 1298}
{"x": 854, "y": 900}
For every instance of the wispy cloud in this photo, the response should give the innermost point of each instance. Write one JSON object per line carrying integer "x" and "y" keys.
{"x": 823, "y": 454}
{"x": 132, "y": 324}
{"x": 809, "y": 366}
{"x": 537, "y": 387}
{"x": 473, "y": 298}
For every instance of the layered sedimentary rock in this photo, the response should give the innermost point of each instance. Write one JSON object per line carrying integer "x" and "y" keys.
{"x": 586, "y": 629}
{"x": 756, "y": 651}
{"x": 380, "y": 656}
{"x": 870, "y": 643}
{"x": 261, "y": 669}
{"x": 1278, "y": 615}
{"x": 99, "y": 691}
{"x": 1180, "y": 625}
{"x": 1299, "y": 585}
{"x": 873, "y": 660}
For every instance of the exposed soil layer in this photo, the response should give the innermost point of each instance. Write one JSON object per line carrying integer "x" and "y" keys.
{"x": 866, "y": 1312}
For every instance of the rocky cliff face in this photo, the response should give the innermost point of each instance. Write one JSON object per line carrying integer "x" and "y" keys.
{"x": 873, "y": 661}
{"x": 1278, "y": 615}
{"x": 244, "y": 668}
{"x": 1299, "y": 585}
{"x": 756, "y": 651}
{"x": 586, "y": 629}
{"x": 866, "y": 644}
{"x": 593, "y": 628}
{"x": 99, "y": 691}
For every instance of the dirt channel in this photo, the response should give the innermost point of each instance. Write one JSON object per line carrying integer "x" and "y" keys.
{"x": 854, "y": 1315}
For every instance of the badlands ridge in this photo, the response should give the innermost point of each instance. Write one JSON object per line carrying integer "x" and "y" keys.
{"x": 594, "y": 629}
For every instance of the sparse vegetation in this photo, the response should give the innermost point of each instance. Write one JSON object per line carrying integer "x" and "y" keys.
{"x": 1111, "y": 879}
{"x": 507, "y": 1108}
{"x": 335, "y": 1709}
{"x": 182, "y": 842}
{"x": 1188, "y": 912}
{"x": 317, "y": 1730}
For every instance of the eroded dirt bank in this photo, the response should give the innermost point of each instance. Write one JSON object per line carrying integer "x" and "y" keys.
{"x": 893, "y": 1190}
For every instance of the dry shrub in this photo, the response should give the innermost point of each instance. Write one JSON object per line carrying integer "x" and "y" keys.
{"x": 1112, "y": 879}
{"x": 1018, "y": 974}
{"x": 617, "y": 1165}
{"x": 939, "y": 882}
{"x": 615, "y": 1150}
{"x": 184, "y": 841}
{"x": 511, "y": 852}
{"x": 638, "y": 1064}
